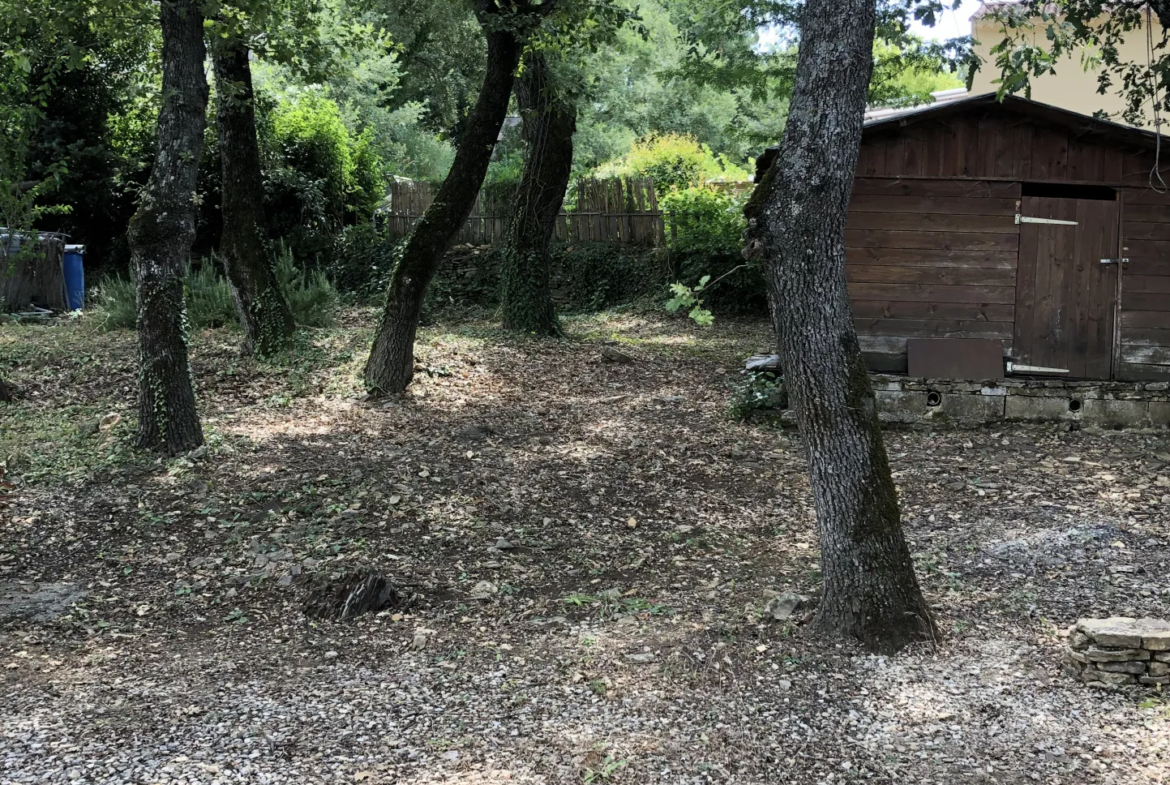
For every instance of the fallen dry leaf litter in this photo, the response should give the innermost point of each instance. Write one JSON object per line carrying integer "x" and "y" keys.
{"x": 593, "y": 572}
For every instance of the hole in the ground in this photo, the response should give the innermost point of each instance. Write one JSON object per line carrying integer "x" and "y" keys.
{"x": 933, "y": 398}
{"x": 1074, "y": 405}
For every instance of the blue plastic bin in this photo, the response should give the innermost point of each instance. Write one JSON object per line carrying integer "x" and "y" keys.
{"x": 75, "y": 276}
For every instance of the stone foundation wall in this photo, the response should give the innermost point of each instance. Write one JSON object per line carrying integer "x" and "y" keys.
{"x": 1119, "y": 652}
{"x": 1102, "y": 404}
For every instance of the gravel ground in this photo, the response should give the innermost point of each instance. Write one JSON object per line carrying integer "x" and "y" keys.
{"x": 587, "y": 548}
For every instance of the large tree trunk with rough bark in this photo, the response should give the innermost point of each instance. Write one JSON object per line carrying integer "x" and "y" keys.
{"x": 160, "y": 236}
{"x": 549, "y": 124}
{"x": 391, "y": 364}
{"x": 262, "y": 309}
{"x": 798, "y": 221}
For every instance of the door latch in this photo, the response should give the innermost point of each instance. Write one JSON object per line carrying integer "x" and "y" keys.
{"x": 1121, "y": 261}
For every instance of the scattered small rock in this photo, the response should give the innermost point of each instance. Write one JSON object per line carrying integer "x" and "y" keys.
{"x": 612, "y": 355}
{"x": 350, "y": 594}
{"x": 783, "y": 606}
{"x": 484, "y": 590}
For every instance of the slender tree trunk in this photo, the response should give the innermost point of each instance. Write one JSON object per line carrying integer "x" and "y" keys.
{"x": 160, "y": 236}
{"x": 870, "y": 590}
{"x": 262, "y": 309}
{"x": 549, "y": 124}
{"x": 391, "y": 363}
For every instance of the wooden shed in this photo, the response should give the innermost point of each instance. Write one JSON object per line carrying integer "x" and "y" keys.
{"x": 1014, "y": 222}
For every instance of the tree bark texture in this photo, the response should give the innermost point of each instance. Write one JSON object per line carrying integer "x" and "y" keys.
{"x": 391, "y": 363}
{"x": 549, "y": 124}
{"x": 160, "y": 236}
{"x": 870, "y": 591}
{"x": 261, "y": 306}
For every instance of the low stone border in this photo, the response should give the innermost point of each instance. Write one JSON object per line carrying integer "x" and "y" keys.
{"x": 1119, "y": 651}
{"x": 1104, "y": 404}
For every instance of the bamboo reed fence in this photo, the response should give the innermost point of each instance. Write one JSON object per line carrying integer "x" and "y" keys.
{"x": 618, "y": 210}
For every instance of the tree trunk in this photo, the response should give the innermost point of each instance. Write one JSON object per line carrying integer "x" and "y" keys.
{"x": 549, "y": 124}
{"x": 160, "y": 236}
{"x": 6, "y": 394}
{"x": 870, "y": 591}
{"x": 262, "y": 309}
{"x": 391, "y": 363}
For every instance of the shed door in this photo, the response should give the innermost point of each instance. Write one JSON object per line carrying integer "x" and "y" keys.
{"x": 1065, "y": 296}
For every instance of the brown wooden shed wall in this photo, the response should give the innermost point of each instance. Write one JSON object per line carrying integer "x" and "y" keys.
{"x": 1144, "y": 333}
{"x": 930, "y": 259}
{"x": 933, "y": 249}
{"x": 995, "y": 144}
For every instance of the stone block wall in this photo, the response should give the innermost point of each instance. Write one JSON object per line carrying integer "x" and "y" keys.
{"x": 1102, "y": 404}
{"x": 1119, "y": 652}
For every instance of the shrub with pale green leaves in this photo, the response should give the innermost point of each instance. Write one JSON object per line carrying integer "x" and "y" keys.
{"x": 310, "y": 295}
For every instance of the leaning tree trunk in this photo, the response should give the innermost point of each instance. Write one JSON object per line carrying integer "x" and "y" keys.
{"x": 160, "y": 236}
{"x": 870, "y": 591}
{"x": 549, "y": 123}
{"x": 262, "y": 309}
{"x": 391, "y": 363}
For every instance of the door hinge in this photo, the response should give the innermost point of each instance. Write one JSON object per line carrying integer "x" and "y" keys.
{"x": 1013, "y": 367}
{"x": 1027, "y": 219}
{"x": 1122, "y": 260}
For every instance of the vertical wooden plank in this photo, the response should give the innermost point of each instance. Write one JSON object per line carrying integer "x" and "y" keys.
{"x": 914, "y": 160}
{"x": 1103, "y": 289}
{"x": 895, "y": 155}
{"x": 985, "y": 146}
{"x": 1023, "y": 147}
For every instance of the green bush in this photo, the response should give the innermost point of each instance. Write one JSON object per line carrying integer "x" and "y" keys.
{"x": 209, "y": 300}
{"x": 760, "y": 391}
{"x": 704, "y": 221}
{"x": 704, "y": 234}
{"x": 674, "y": 161}
{"x": 360, "y": 261}
{"x": 598, "y": 275}
{"x": 317, "y": 175}
{"x": 311, "y": 297}
{"x": 113, "y": 301}
{"x": 310, "y": 294}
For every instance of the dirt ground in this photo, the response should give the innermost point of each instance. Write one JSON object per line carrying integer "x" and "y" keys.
{"x": 585, "y": 550}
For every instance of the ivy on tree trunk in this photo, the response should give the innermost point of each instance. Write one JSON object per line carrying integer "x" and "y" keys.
{"x": 549, "y": 124}
{"x": 261, "y": 306}
{"x": 391, "y": 363}
{"x": 160, "y": 236}
{"x": 798, "y": 224}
